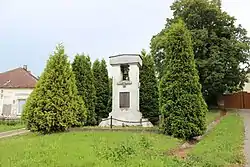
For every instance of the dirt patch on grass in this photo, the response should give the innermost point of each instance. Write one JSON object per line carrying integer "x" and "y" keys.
{"x": 180, "y": 153}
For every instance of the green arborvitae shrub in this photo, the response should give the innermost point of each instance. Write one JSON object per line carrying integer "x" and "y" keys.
{"x": 149, "y": 95}
{"x": 101, "y": 82}
{"x": 85, "y": 85}
{"x": 109, "y": 107}
{"x": 181, "y": 100}
{"x": 54, "y": 105}
{"x": 97, "y": 78}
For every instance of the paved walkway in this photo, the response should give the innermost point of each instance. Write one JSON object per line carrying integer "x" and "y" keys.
{"x": 13, "y": 133}
{"x": 246, "y": 115}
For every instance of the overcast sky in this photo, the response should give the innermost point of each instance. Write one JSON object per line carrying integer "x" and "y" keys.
{"x": 30, "y": 29}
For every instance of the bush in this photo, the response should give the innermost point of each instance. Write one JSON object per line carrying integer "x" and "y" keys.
{"x": 181, "y": 100}
{"x": 54, "y": 105}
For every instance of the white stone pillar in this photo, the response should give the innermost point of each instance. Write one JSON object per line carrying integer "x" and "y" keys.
{"x": 129, "y": 115}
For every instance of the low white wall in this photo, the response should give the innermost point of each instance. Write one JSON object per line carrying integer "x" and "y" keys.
{"x": 11, "y": 96}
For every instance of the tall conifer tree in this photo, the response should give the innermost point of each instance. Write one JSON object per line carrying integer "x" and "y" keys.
{"x": 85, "y": 85}
{"x": 149, "y": 96}
{"x": 101, "y": 82}
{"x": 109, "y": 107}
{"x": 183, "y": 106}
{"x": 54, "y": 105}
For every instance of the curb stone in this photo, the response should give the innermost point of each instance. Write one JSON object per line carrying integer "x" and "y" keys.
{"x": 13, "y": 133}
{"x": 245, "y": 113}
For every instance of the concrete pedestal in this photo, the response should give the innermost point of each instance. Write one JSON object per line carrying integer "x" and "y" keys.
{"x": 126, "y": 118}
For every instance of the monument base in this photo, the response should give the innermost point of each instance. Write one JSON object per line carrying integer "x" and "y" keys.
{"x": 126, "y": 118}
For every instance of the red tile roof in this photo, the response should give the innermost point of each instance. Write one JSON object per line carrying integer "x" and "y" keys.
{"x": 17, "y": 78}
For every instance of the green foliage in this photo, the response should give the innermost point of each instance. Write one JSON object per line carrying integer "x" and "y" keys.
{"x": 109, "y": 107}
{"x": 149, "y": 104}
{"x": 85, "y": 85}
{"x": 219, "y": 46}
{"x": 101, "y": 82}
{"x": 181, "y": 100}
{"x": 54, "y": 105}
{"x": 121, "y": 153}
{"x": 125, "y": 150}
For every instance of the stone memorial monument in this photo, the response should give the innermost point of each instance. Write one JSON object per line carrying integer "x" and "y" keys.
{"x": 125, "y": 92}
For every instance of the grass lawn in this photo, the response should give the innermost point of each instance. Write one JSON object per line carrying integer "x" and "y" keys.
{"x": 223, "y": 146}
{"x": 4, "y": 127}
{"x": 88, "y": 149}
{"x": 212, "y": 115}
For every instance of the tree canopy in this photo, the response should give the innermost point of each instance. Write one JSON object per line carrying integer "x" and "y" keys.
{"x": 101, "y": 82}
{"x": 54, "y": 104}
{"x": 109, "y": 107}
{"x": 149, "y": 104}
{"x": 181, "y": 101}
{"x": 220, "y": 47}
{"x": 85, "y": 85}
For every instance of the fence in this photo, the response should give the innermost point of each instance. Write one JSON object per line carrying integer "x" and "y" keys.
{"x": 111, "y": 126}
{"x": 239, "y": 100}
{"x": 140, "y": 123}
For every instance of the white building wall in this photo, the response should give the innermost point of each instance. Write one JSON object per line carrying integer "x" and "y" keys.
{"x": 12, "y": 96}
{"x": 247, "y": 88}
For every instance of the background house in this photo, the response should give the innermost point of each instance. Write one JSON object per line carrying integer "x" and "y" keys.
{"x": 246, "y": 87}
{"x": 15, "y": 87}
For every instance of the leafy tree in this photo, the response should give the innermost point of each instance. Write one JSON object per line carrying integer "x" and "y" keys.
{"x": 149, "y": 104}
{"x": 101, "y": 82}
{"x": 181, "y": 100}
{"x": 54, "y": 104}
{"x": 219, "y": 46}
{"x": 85, "y": 85}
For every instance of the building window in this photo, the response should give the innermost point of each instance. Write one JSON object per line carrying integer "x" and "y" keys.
{"x": 125, "y": 72}
{"x": 21, "y": 103}
{"x": 124, "y": 99}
